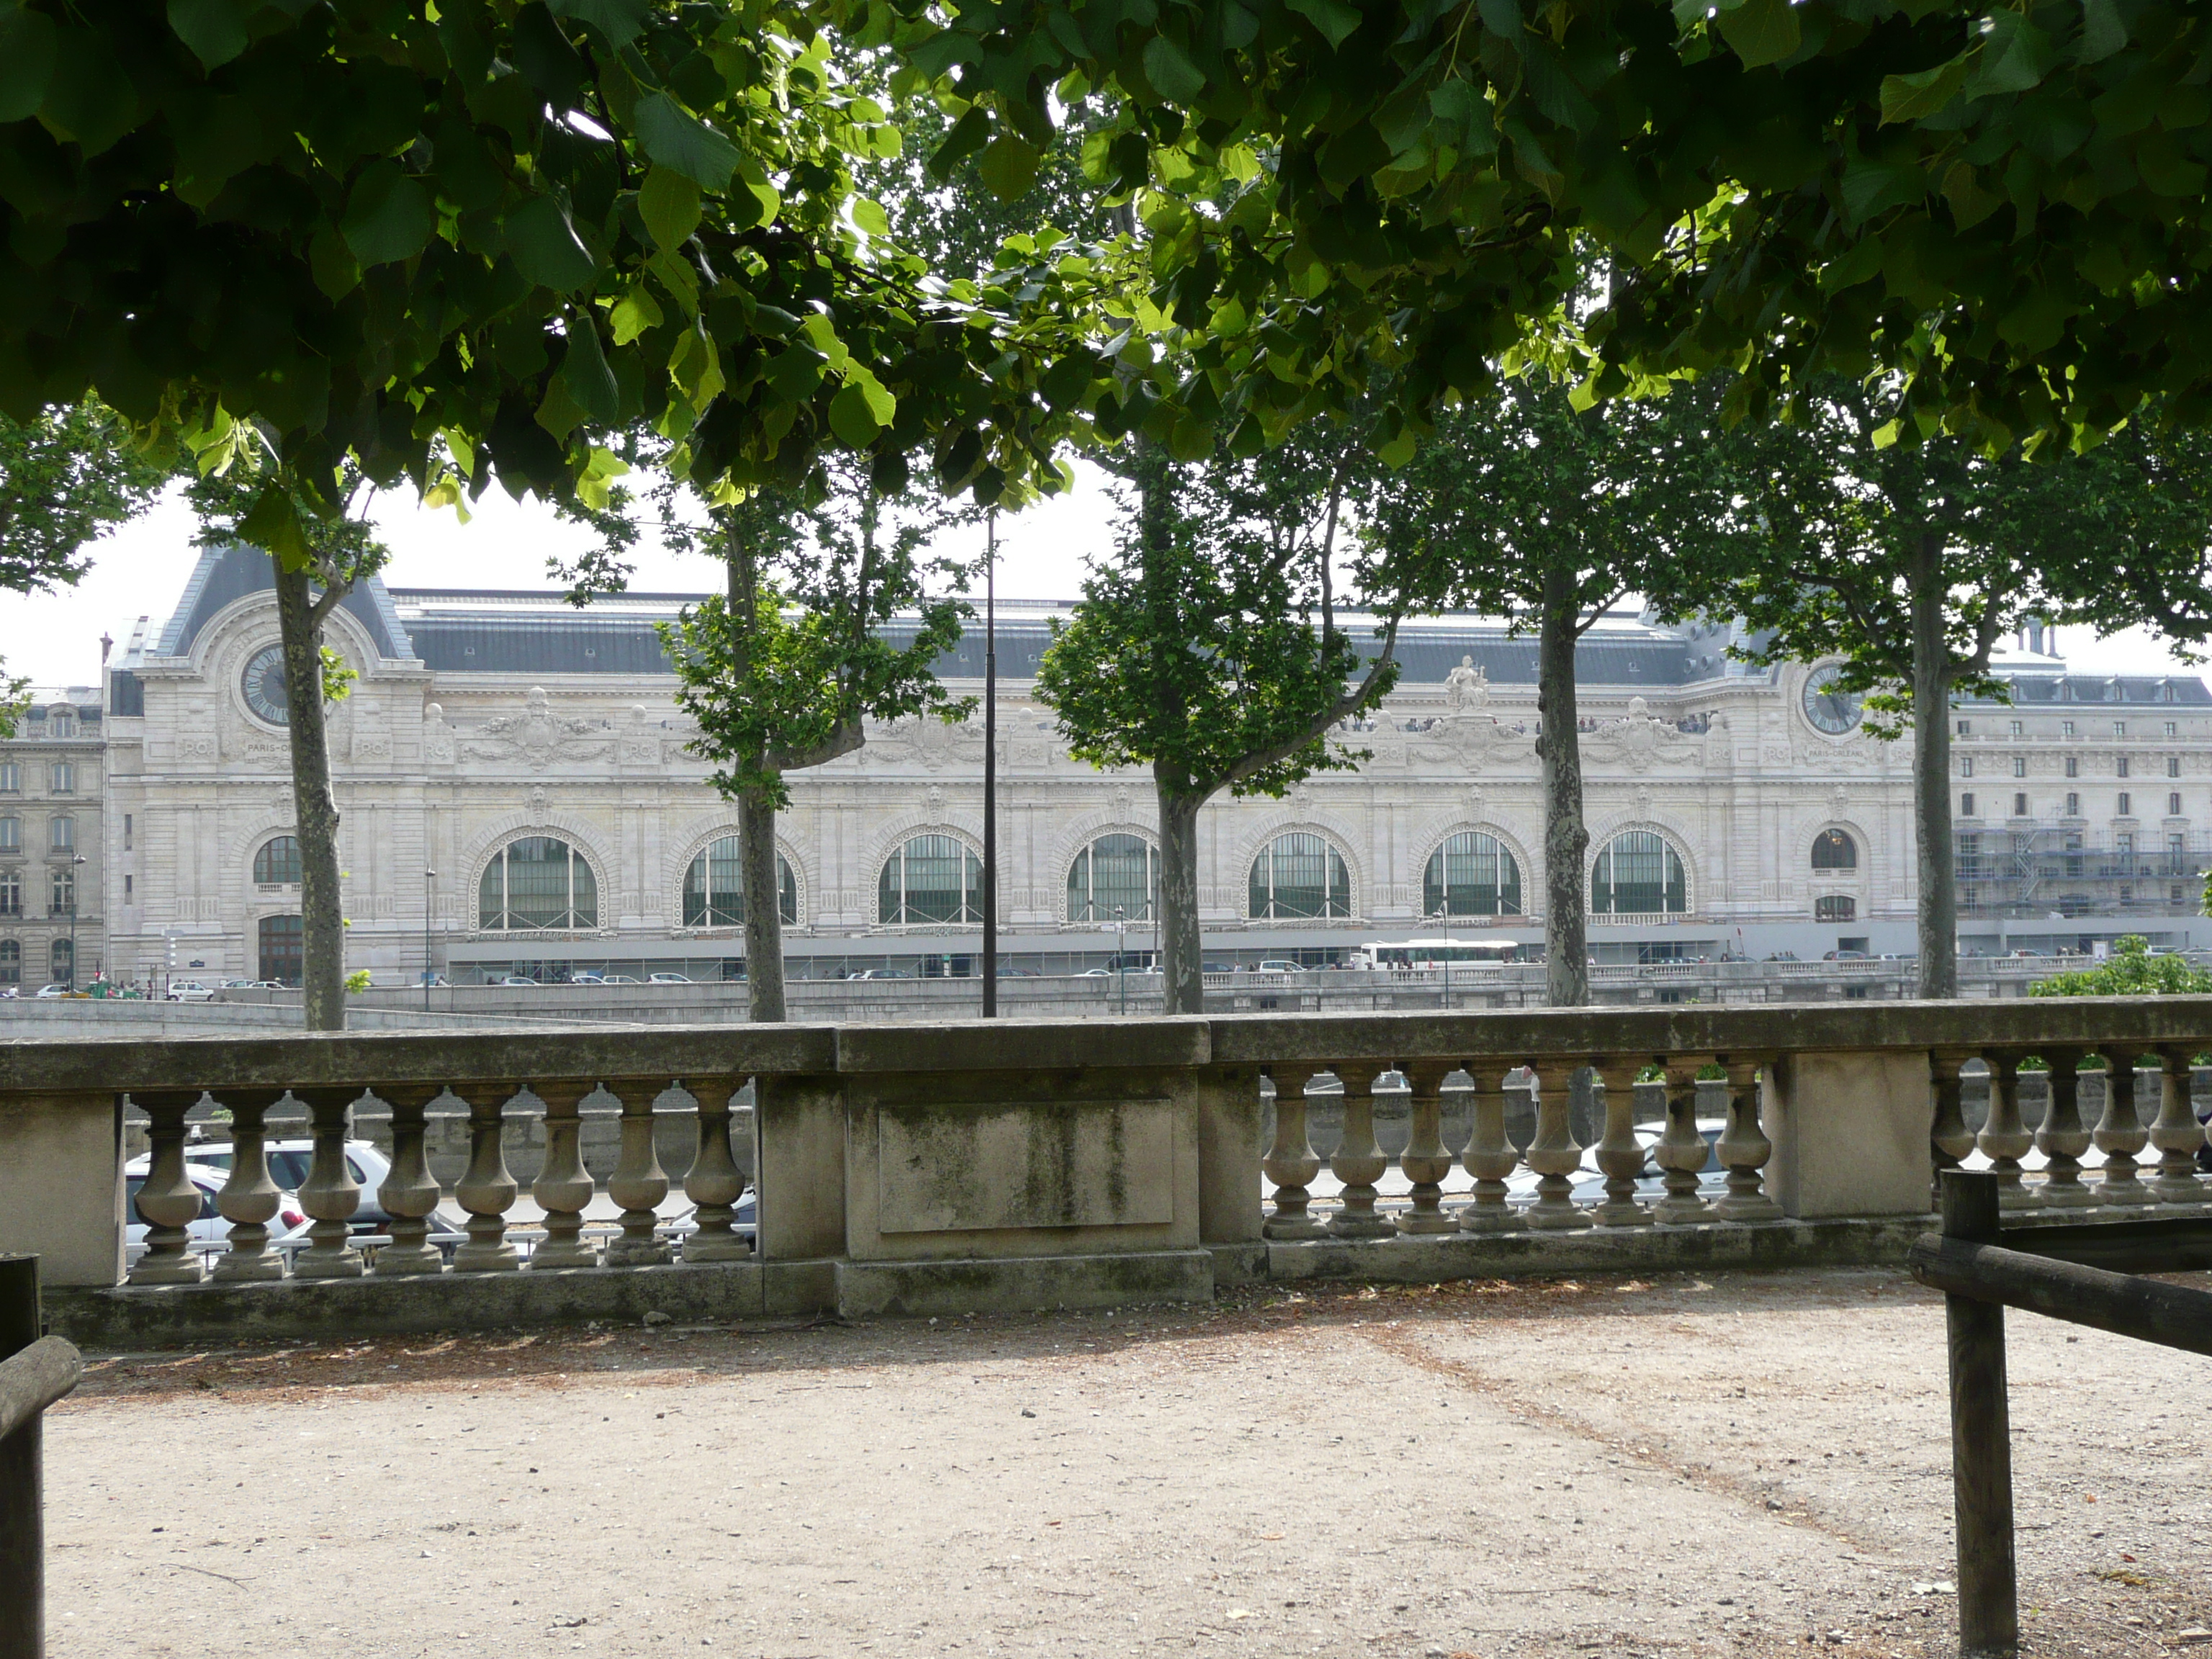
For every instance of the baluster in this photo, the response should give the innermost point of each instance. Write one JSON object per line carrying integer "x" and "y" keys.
{"x": 2003, "y": 1137}
{"x": 249, "y": 1197}
{"x": 1358, "y": 1161}
{"x": 2120, "y": 1135}
{"x": 2177, "y": 1135}
{"x": 169, "y": 1202}
{"x": 1682, "y": 1153}
{"x": 330, "y": 1194}
{"x": 1425, "y": 1161}
{"x": 1949, "y": 1140}
{"x": 639, "y": 1183}
{"x": 486, "y": 1190}
{"x": 1553, "y": 1153}
{"x": 409, "y": 1193}
{"x": 1291, "y": 1163}
{"x": 1490, "y": 1157}
{"x": 564, "y": 1187}
{"x": 712, "y": 1181}
{"x": 1620, "y": 1154}
{"x": 2062, "y": 1140}
{"x": 1744, "y": 1149}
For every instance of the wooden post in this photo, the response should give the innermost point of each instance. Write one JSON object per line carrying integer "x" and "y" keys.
{"x": 22, "y": 1533}
{"x": 1981, "y": 1438}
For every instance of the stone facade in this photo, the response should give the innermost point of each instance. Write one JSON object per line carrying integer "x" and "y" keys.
{"x": 53, "y": 842}
{"x": 480, "y": 719}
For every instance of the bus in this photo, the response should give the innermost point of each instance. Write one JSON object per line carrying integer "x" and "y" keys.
{"x": 1421, "y": 954}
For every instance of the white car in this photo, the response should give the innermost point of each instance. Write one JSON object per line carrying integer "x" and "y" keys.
{"x": 667, "y": 979}
{"x": 290, "y": 1162}
{"x": 53, "y": 990}
{"x": 209, "y": 1227}
{"x": 1280, "y": 967}
{"x": 188, "y": 990}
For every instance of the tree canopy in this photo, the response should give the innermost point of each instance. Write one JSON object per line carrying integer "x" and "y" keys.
{"x": 2131, "y": 971}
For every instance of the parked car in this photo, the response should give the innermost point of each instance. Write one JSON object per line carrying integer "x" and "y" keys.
{"x": 620, "y": 979}
{"x": 53, "y": 990}
{"x": 208, "y": 1226}
{"x": 1844, "y": 955}
{"x": 1216, "y": 968}
{"x": 1279, "y": 967}
{"x": 514, "y": 979}
{"x": 180, "y": 990}
{"x": 742, "y": 1224}
{"x": 587, "y": 979}
{"x": 667, "y": 979}
{"x": 883, "y": 973}
{"x": 291, "y": 1160}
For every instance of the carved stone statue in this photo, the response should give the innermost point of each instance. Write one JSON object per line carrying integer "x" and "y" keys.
{"x": 1467, "y": 688}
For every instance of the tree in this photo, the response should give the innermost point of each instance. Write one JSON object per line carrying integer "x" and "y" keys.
{"x": 1911, "y": 560}
{"x": 1522, "y": 505}
{"x": 783, "y": 670}
{"x": 1206, "y": 647}
{"x": 332, "y": 553}
{"x": 67, "y": 477}
{"x": 2131, "y": 971}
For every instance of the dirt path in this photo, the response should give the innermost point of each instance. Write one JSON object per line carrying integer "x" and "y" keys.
{"x": 1740, "y": 1465}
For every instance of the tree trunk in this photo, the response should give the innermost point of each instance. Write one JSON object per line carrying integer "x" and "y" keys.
{"x": 1182, "y": 968}
{"x": 1566, "y": 838}
{"x": 1931, "y": 774}
{"x": 763, "y": 906}
{"x": 315, "y": 813}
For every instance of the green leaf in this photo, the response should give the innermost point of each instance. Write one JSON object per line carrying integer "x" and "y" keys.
{"x": 26, "y": 62}
{"x": 273, "y": 526}
{"x": 621, "y": 20}
{"x": 637, "y": 312}
{"x": 669, "y": 204}
{"x": 90, "y": 99}
{"x": 591, "y": 383}
{"x": 1872, "y": 186}
{"x": 678, "y": 140}
{"x": 544, "y": 245}
{"x": 1761, "y": 31}
{"x": 868, "y": 215}
{"x": 388, "y": 217}
{"x": 1915, "y": 97}
{"x": 2015, "y": 57}
{"x": 851, "y": 418}
{"x": 1170, "y": 70}
{"x": 970, "y": 134}
{"x": 2103, "y": 34}
{"x": 1069, "y": 379}
{"x": 1009, "y": 167}
{"x": 1502, "y": 18}
{"x": 214, "y": 29}
{"x": 1335, "y": 20}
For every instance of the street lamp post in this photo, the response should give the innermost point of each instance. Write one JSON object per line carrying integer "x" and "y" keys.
{"x": 1443, "y": 920}
{"x": 428, "y": 896}
{"x": 76, "y": 864}
{"x": 991, "y": 773}
{"x": 1121, "y": 953}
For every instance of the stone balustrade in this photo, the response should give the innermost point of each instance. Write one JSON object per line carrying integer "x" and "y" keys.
{"x": 1036, "y": 1162}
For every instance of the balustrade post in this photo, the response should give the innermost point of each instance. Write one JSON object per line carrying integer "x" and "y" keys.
{"x": 1290, "y": 1162}
{"x": 2120, "y": 1135}
{"x": 249, "y": 1199}
{"x": 713, "y": 1182}
{"x": 169, "y": 1202}
{"x": 330, "y": 1194}
{"x": 409, "y": 1193}
{"x": 1949, "y": 1139}
{"x": 1490, "y": 1157}
{"x": 564, "y": 1187}
{"x": 1682, "y": 1153}
{"x": 2003, "y": 1137}
{"x": 1553, "y": 1153}
{"x": 1425, "y": 1161}
{"x": 2177, "y": 1135}
{"x": 1744, "y": 1149}
{"x": 1620, "y": 1154}
{"x": 1358, "y": 1162}
{"x": 639, "y": 1182}
{"x": 2062, "y": 1140}
{"x": 486, "y": 1190}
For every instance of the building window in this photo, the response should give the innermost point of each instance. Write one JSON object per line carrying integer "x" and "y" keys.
{"x": 2015, "y": 728}
{"x": 2119, "y": 728}
{"x": 2127, "y": 806}
{"x": 2169, "y": 728}
{"x": 126, "y": 832}
{"x": 1965, "y": 729}
{"x": 2173, "y": 804}
{"x": 283, "y": 941}
{"x": 11, "y": 835}
{"x": 2173, "y": 766}
{"x": 1967, "y": 805}
{"x": 2019, "y": 806}
{"x": 2127, "y": 894}
{"x": 60, "y": 779}
{"x": 1471, "y": 875}
{"x": 1836, "y": 906}
{"x": 61, "y": 835}
{"x": 1638, "y": 874}
{"x": 2066, "y": 728}
{"x": 61, "y": 955}
{"x": 2120, "y": 767}
{"x": 2124, "y": 845}
{"x": 1116, "y": 875}
{"x": 2173, "y": 894}
{"x": 2072, "y": 807}
{"x": 11, "y": 778}
{"x": 931, "y": 878}
{"x": 126, "y": 890}
{"x": 714, "y": 888}
{"x": 1300, "y": 875}
{"x": 537, "y": 882}
{"x": 63, "y": 891}
{"x": 1965, "y": 765}
{"x": 61, "y": 723}
{"x": 11, "y": 962}
{"x": 2073, "y": 767}
{"x": 277, "y": 863}
{"x": 1833, "y": 849}
{"x": 2020, "y": 766}
{"x": 11, "y": 892}
{"x": 2177, "y": 846}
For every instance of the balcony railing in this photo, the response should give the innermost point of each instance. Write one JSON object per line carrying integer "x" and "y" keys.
{"x": 927, "y": 1167}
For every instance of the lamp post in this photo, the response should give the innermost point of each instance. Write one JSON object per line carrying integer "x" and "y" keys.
{"x": 75, "y": 865}
{"x": 1443, "y": 920}
{"x": 991, "y": 771}
{"x": 428, "y": 896}
{"x": 1122, "y": 954}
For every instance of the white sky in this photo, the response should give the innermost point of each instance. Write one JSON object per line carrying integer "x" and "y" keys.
{"x": 141, "y": 570}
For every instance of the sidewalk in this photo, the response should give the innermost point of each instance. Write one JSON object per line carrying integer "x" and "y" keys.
{"x": 1743, "y": 1465}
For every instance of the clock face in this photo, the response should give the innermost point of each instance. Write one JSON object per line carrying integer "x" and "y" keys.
{"x": 264, "y": 684}
{"x": 1829, "y": 706}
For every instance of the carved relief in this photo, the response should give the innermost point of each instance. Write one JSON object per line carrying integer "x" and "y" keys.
{"x": 438, "y": 737}
{"x": 536, "y": 736}
{"x": 1637, "y": 741}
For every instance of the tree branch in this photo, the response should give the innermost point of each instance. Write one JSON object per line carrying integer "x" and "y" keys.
{"x": 1347, "y": 704}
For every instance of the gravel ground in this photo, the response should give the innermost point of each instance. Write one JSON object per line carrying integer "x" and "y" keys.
{"x": 1741, "y": 1465}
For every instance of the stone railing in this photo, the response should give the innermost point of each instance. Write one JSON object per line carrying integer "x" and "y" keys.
{"x": 1035, "y": 1164}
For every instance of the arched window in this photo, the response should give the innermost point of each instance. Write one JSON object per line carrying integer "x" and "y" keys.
{"x": 278, "y": 861}
{"x": 1836, "y": 906}
{"x": 63, "y": 891}
{"x": 1115, "y": 873}
{"x": 714, "y": 888}
{"x": 1471, "y": 875}
{"x": 1638, "y": 874}
{"x": 61, "y": 956}
{"x": 539, "y": 881}
{"x": 283, "y": 944}
{"x": 933, "y": 878}
{"x": 1300, "y": 875}
{"x": 1832, "y": 849}
{"x": 11, "y": 962}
